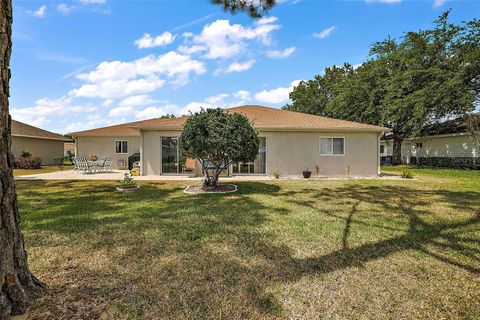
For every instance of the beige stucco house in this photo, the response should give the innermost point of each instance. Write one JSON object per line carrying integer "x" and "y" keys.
{"x": 289, "y": 143}
{"x": 448, "y": 144}
{"x": 42, "y": 143}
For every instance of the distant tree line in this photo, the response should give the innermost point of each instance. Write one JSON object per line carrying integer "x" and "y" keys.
{"x": 404, "y": 84}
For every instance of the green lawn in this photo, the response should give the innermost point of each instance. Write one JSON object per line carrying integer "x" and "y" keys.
{"x": 46, "y": 169}
{"x": 362, "y": 249}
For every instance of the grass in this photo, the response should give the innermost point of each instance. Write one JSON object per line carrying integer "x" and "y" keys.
{"x": 46, "y": 169}
{"x": 280, "y": 249}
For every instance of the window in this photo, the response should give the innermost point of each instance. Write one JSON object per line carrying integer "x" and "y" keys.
{"x": 258, "y": 166}
{"x": 121, "y": 146}
{"x": 419, "y": 144}
{"x": 332, "y": 146}
{"x": 382, "y": 149}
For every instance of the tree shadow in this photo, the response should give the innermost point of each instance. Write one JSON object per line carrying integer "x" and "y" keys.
{"x": 200, "y": 256}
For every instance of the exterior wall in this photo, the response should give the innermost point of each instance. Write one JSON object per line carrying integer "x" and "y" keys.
{"x": 47, "y": 149}
{"x": 289, "y": 153}
{"x": 105, "y": 146}
{"x": 451, "y": 146}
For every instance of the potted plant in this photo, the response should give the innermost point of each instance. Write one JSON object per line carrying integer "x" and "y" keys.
{"x": 127, "y": 184}
{"x": 307, "y": 173}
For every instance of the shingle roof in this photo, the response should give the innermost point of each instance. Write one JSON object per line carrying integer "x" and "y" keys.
{"x": 263, "y": 118}
{"x": 458, "y": 125}
{"x": 21, "y": 129}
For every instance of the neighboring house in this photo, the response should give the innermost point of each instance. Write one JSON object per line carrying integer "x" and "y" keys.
{"x": 289, "y": 143}
{"x": 451, "y": 143}
{"x": 42, "y": 143}
{"x": 69, "y": 147}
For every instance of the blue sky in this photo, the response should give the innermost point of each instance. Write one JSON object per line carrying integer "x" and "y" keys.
{"x": 82, "y": 64}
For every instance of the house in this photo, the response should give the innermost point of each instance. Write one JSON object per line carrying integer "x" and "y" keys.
{"x": 42, "y": 143}
{"x": 453, "y": 143}
{"x": 289, "y": 143}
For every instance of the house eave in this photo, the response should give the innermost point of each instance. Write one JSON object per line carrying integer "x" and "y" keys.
{"x": 272, "y": 129}
{"x": 40, "y": 137}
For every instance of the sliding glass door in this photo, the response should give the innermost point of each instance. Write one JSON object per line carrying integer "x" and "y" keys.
{"x": 258, "y": 166}
{"x": 172, "y": 157}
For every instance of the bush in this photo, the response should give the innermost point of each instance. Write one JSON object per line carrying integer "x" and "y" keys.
{"x": 59, "y": 162}
{"x": 276, "y": 174}
{"x": 26, "y": 154}
{"x": 27, "y": 163}
{"x": 406, "y": 174}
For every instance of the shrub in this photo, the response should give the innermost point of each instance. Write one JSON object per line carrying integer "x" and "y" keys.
{"x": 276, "y": 174}
{"x": 406, "y": 174}
{"x": 59, "y": 162}
{"x": 26, "y": 154}
{"x": 27, "y": 163}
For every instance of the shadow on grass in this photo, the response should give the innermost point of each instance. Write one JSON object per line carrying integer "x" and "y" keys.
{"x": 199, "y": 256}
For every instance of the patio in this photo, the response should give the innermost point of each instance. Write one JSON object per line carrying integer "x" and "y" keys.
{"x": 119, "y": 174}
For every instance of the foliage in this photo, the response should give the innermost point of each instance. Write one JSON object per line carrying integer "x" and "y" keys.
{"x": 60, "y": 162}
{"x": 254, "y": 8}
{"x": 277, "y": 174}
{"x": 69, "y": 156}
{"x": 218, "y": 139}
{"x": 31, "y": 162}
{"x": 406, "y": 174}
{"x": 26, "y": 154}
{"x": 405, "y": 84}
{"x": 127, "y": 180}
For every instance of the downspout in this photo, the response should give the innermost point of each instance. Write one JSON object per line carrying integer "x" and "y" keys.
{"x": 378, "y": 154}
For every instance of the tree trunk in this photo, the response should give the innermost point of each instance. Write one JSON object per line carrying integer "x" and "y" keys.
{"x": 17, "y": 285}
{"x": 397, "y": 148}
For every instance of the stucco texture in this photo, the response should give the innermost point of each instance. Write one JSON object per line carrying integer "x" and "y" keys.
{"x": 46, "y": 149}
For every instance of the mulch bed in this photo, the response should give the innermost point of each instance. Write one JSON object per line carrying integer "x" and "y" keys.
{"x": 222, "y": 188}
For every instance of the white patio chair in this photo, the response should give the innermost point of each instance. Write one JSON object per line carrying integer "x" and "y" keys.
{"x": 85, "y": 166}
{"x": 107, "y": 165}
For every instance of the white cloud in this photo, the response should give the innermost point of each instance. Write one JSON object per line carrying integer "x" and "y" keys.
{"x": 147, "y": 41}
{"x": 383, "y": 1}
{"x": 324, "y": 33}
{"x": 155, "y": 112}
{"x": 139, "y": 100}
{"x": 195, "y": 106}
{"x": 438, "y": 3}
{"x": 243, "y": 95}
{"x": 278, "y": 95}
{"x": 220, "y": 39}
{"x": 116, "y": 79}
{"x": 216, "y": 98}
{"x": 40, "y": 12}
{"x": 64, "y": 9}
{"x": 281, "y": 53}
{"x": 121, "y": 112}
{"x": 236, "y": 67}
{"x": 46, "y": 108}
{"x": 93, "y": 1}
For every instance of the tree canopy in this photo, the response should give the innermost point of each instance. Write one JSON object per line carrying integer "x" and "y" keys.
{"x": 218, "y": 139}
{"x": 405, "y": 84}
{"x": 255, "y": 8}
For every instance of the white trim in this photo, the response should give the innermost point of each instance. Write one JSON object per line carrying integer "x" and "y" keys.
{"x": 115, "y": 147}
{"x": 332, "y": 154}
{"x": 40, "y": 137}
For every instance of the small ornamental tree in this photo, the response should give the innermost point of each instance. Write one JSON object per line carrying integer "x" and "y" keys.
{"x": 218, "y": 139}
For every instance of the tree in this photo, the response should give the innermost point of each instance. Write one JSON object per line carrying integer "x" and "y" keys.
{"x": 17, "y": 284}
{"x": 255, "y": 8}
{"x": 406, "y": 85}
{"x": 218, "y": 139}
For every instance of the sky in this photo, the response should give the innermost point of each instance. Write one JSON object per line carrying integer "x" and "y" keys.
{"x": 83, "y": 64}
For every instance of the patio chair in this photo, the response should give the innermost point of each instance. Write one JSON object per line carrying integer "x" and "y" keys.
{"x": 107, "y": 164}
{"x": 75, "y": 164}
{"x": 84, "y": 165}
{"x": 189, "y": 166}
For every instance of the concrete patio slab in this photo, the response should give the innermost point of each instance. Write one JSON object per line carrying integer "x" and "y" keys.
{"x": 119, "y": 174}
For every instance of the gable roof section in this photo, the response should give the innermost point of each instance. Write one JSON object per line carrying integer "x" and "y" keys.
{"x": 263, "y": 118}
{"x": 20, "y": 129}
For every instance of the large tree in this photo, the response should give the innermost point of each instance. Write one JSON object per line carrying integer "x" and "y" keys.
{"x": 218, "y": 139}
{"x": 17, "y": 283}
{"x": 428, "y": 76}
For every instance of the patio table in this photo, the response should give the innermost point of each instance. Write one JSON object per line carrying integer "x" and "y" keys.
{"x": 96, "y": 164}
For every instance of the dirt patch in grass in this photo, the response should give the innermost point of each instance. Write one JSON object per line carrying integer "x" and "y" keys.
{"x": 222, "y": 188}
